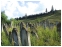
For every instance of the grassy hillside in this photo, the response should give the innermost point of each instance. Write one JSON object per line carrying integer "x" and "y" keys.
{"x": 47, "y": 37}
{"x": 56, "y": 16}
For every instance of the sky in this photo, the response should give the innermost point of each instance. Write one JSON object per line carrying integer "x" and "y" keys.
{"x": 15, "y": 9}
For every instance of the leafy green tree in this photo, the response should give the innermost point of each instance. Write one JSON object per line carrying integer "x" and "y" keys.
{"x": 3, "y": 17}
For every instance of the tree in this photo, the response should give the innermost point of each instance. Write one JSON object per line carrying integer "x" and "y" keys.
{"x": 52, "y": 9}
{"x": 3, "y": 17}
{"x": 26, "y": 16}
{"x": 46, "y": 10}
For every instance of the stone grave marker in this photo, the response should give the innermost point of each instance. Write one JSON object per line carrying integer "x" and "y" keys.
{"x": 15, "y": 36}
{"x": 10, "y": 37}
{"x": 23, "y": 35}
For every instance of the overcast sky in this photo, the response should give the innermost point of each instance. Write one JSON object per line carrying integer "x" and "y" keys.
{"x": 15, "y": 8}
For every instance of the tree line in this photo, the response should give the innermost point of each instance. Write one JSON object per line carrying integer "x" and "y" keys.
{"x": 37, "y": 15}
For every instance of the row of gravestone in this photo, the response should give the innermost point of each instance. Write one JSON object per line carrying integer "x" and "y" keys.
{"x": 44, "y": 23}
{"x": 24, "y": 35}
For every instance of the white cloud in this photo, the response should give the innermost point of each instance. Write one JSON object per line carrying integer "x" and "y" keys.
{"x": 31, "y": 8}
{"x": 10, "y": 7}
{"x": 48, "y": 4}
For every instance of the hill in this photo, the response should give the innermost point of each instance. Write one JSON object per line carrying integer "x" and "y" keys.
{"x": 51, "y": 16}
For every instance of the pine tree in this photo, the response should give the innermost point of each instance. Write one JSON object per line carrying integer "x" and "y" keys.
{"x": 46, "y": 10}
{"x": 52, "y": 9}
{"x": 26, "y": 16}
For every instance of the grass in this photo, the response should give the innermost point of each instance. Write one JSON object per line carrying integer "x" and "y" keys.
{"x": 47, "y": 37}
{"x": 5, "y": 40}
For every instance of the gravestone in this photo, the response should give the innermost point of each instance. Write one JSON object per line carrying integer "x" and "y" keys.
{"x": 39, "y": 23}
{"x": 15, "y": 36}
{"x": 45, "y": 24}
{"x": 35, "y": 25}
{"x": 19, "y": 39}
{"x": 51, "y": 25}
{"x": 56, "y": 22}
{"x": 59, "y": 29}
{"x": 29, "y": 42}
{"x": 48, "y": 23}
{"x": 33, "y": 30}
{"x": 10, "y": 37}
{"x": 11, "y": 24}
{"x": 18, "y": 24}
{"x": 26, "y": 24}
{"x": 5, "y": 30}
{"x": 2, "y": 27}
{"x": 23, "y": 35}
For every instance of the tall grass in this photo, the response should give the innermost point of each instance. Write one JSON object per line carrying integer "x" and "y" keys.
{"x": 5, "y": 40}
{"x": 47, "y": 37}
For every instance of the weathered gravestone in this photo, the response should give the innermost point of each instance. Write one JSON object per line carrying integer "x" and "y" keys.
{"x": 35, "y": 25}
{"x": 10, "y": 37}
{"x": 15, "y": 36}
{"x": 33, "y": 30}
{"x": 23, "y": 35}
{"x": 51, "y": 25}
{"x": 59, "y": 28}
{"x": 5, "y": 29}
{"x": 2, "y": 27}
{"x": 56, "y": 22}
{"x": 45, "y": 23}
{"x": 27, "y": 24}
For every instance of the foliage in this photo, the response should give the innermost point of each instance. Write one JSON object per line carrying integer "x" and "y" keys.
{"x": 47, "y": 37}
{"x": 5, "y": 40}
{"x": 3, "y": 17}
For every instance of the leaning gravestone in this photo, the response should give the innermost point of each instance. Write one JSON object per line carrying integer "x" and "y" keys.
{"x": 59, "y": 28}
{"x": 44, "y": 24}
{"x": 15, "y": 36}
{"x": 33, "y": 30}
{"x": 23, "y": 35}
{"x": 27, "y": 24}
{"x": 10, "y": 37}
{"x": 5, "y": 30}
{"x": 2, "y": 27}
{"x": 51, "y": 25}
